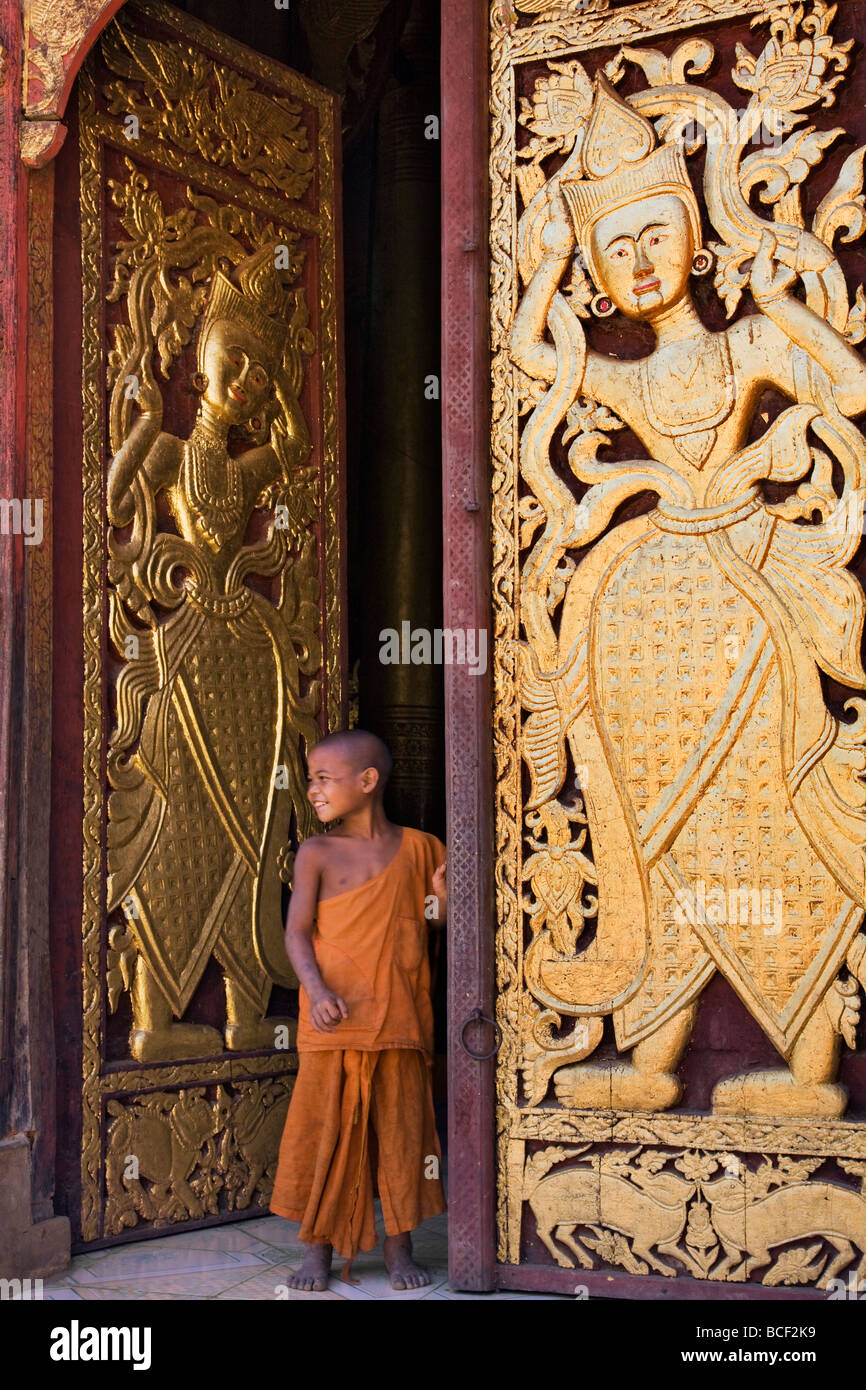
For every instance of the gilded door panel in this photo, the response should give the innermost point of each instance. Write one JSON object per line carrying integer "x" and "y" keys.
{"x": 680, "y": 728}
{"x": 211, "y": 601}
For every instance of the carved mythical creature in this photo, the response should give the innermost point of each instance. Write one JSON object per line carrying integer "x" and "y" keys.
{"x": 680, "y": 661}
{"x": 257, "y": 1122}
{"x": 749, "y": 1231}
{"x": 647, "y": 1208}
{"x": 205, "y": 759}
{"x": 166, "y": 1137}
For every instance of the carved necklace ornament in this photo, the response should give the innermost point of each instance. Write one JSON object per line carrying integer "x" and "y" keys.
{"x": 692, "y": 425}
{"x": 693, "y": 805}
{"x": 212, "y": 485}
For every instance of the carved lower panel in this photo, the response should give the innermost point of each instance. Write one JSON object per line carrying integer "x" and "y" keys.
{"x": 695, "y": 1212}
{"x": 178, "y": 1155}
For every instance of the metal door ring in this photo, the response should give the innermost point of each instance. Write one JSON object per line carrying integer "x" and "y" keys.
{"x": 478, "y": 1017}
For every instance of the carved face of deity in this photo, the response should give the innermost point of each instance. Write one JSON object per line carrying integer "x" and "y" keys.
{"x": 238, "y": 378}
{"x": 643, "y": 254}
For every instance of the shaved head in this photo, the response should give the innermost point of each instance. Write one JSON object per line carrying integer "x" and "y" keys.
{"x": 360, "y": 749}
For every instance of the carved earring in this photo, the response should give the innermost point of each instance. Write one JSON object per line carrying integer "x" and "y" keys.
{"x": 199, "y": 383}
{"x": 702, "y": 261}
{"x": 602, "y": 306}
{"x": 255, "y": 425}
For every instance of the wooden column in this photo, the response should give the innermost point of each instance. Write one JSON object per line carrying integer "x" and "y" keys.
{"x": 468, "y": 744}
{"x": 34, "y": 1242}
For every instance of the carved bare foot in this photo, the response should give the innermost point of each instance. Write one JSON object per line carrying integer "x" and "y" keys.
{"x": 617, "y": 1088}
{"x": 312, "y": 1277}
{"x": 246, "y": 1030}
{"x": 173, "y": 1041}
{"x": 806, "y": 1092}
{"x": 155, "y": 1037}
{"x": 647, "y": 1083}
{"x": 777, "y": 1094}
{"x": 251, "y": 1036}
{"x": 404, "y": 1272}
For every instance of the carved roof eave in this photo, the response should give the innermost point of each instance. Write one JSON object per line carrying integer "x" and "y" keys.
{"x": 58, "y": 35}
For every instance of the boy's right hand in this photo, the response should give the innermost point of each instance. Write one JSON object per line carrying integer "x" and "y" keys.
{"x": 326, "y": 1011}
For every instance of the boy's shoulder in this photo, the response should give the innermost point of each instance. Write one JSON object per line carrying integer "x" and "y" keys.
{"x": 317, "y": 846}
{"x": 313, "y": 850}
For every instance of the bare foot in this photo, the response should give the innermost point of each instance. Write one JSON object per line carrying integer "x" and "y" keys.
{"x": 404, "y": 1272}
{"x": 312, "y": 1276}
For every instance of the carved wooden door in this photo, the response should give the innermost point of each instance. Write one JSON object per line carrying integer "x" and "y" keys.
{"x": 199, "y": 608}
{"x": 680, "y": 727}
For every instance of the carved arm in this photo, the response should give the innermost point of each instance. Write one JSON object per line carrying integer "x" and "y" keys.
{"x": 807, "y": 330}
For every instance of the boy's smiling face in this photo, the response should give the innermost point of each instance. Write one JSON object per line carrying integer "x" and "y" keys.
{"x": 336, "y": 785}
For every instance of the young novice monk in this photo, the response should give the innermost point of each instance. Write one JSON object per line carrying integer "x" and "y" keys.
{"x": 356, "y": 936}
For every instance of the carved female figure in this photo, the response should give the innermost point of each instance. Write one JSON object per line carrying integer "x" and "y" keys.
{"x": 682, "y": 671}
{"x": 210, "y": 708}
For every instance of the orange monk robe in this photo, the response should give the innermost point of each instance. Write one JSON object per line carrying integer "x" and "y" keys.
{"x": 373, "y": 1071}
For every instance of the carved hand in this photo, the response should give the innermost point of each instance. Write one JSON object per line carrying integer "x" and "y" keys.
{"x": 769, "y": 279}
{"x": 557, "y": 238}
{"x": 149, "y": 396}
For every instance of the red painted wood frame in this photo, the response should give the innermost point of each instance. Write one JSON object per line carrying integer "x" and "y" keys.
{"x": 468, "y": 702}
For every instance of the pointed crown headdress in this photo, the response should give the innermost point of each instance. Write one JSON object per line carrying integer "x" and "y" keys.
{"x": 622, "y": 162}
{"x": 253, "y": 301}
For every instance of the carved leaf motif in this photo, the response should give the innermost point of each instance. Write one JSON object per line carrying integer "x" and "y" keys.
{"x": 690, "y": 58}
{"x": 796, "y": 1266}
{"x": 651, "y": 1161}
{"x": 844, "y": 204}
{"x": 175, "y": 311}
{"x": 529, "y": 392}
{"x": 732, "y": 273}
{"x": 792, "y": 1170}
{"x": 559, "y": 582}
{"x": 774, "y": 171}
{"x": 120, "y": 963}
{"x": 792, "y": 73}
{"x": 697, "y": 1167}
{"x": 856, "y": 1169}
{"x": 560, "y": 106}
{"x": 543, "y": 1053}
{"x": 613, "y": 1249}
{"x": 542, "y": 1161}
{"x": 532, "y": 516}
{"x": 618, "y": 1162}
{"x": 787, "y": 1172}
{"x": 855, "y": 328}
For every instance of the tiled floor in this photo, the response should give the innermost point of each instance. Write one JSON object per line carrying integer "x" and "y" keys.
{"x": 249, "y": 1260}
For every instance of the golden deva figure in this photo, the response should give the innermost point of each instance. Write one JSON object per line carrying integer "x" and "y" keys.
{"x": 210, "y": 709}
{"x": 685, "y": 670}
